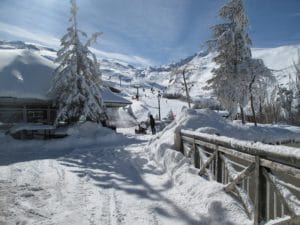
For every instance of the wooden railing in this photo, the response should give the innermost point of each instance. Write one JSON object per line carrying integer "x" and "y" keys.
{"x": 264, "y": 178}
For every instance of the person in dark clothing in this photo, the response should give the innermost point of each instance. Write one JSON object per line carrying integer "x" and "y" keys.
{"x": 152, "y": 124}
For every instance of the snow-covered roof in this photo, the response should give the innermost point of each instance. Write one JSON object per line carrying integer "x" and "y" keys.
{"x": 110, "y": 98}
{"x": 24, "y": 73}
{"x": 28, "y": 74}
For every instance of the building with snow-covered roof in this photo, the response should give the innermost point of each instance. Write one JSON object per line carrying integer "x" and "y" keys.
{"x": 25, "y": 78}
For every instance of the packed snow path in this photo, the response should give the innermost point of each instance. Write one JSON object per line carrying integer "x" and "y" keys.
{"x": 93, "y": 185}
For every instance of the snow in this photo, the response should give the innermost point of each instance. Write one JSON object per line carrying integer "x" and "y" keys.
{"x": 110, "y": 97}
{"x": 97, "y": 176}
{"x": 27, "y": 73}
{"x": 30, "y": 126}
{"x": 277, "y": 58}
{"x": 148, "y": 104}
{"x": 291, "y": 200}
{"x": 24, "y": 73}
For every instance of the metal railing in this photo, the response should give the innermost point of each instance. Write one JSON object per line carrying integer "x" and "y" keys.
{"x": 264, "y": 178}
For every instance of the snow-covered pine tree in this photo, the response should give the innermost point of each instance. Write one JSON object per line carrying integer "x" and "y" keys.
{"x": 232, "y": 42}
{"x": 77, "y": 85}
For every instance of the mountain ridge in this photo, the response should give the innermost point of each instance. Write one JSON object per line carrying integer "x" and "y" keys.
{"x": 279, "y": 60}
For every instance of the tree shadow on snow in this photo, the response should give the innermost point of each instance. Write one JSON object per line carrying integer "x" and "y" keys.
{"x": 15, "y": 151}
{"x": 120, "y": 169}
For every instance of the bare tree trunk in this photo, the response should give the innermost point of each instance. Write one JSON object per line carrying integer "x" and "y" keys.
{"x": 186, "y": 89}
{"x": 251, "y": 100}
{"x": 253, "y": 111}
{"x": 242, "y": 115}
{"x": 260, "y": 110}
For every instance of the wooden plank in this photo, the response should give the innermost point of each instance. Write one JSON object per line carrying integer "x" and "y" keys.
{"x": 279, "y": 167}
{"x": 268, "y": 202}
{"x": 208, "y": 161}
{"x": 242, "y": 175}
{"x": 288, "y": 221}
{"x": 282, "y": 209}
{"x": 232, "y": 152}
{"x": 260, "y": 158}
{"x": 246, "y": 201}
{"x": 196, "y": 155}
{"x": 257, "y": 198}
{"x": 218, "y": 167}
{"x": 202, "y": 157}
{"x": 278, "y": 193}
{"x": 275, "y": 204}
{"x": 263, "y": 150}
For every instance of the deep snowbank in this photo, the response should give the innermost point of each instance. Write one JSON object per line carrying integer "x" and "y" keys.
{"x": 208, "y": 121}
{"x": 209, "y": 197}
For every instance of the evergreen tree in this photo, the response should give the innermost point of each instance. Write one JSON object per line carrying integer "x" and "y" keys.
{"x": 232, "y": 42}
{"x": 77, "y": 84}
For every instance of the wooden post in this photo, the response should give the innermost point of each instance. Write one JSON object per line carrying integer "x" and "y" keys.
{"x": 218, "y": 164}
{"x": 257, "y": 192}
{"x": 260, "y": 194}
{"x": 196, "y": 155}
{"x": 178, "y": 140}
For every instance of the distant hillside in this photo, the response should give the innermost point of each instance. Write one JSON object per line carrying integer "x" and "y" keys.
{"x": 279, "y": 60}
{"x": 22, "y": 63}
{"x": 23, "y": 66}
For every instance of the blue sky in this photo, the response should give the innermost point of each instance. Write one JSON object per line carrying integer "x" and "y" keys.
{"x": 146, "y": 31}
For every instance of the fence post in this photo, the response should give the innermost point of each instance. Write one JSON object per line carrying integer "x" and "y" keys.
{"x": 260, "y": 193}
{"x": 178, "y": 140}
{"x": 218, "y": 166}
{"x": 196, "y": 155}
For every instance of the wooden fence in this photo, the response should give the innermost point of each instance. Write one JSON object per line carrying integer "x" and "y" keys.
{"x": 265, "y": 180}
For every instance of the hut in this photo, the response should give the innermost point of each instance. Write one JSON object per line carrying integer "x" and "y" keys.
{"x": 25, "y": 78}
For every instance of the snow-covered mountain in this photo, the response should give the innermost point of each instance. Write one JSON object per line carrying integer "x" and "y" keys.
{"x": 22, "y": 63}
{"x": 279, "y": 60}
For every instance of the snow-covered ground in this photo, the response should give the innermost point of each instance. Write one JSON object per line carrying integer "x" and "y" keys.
{"x": 95, "y": 176}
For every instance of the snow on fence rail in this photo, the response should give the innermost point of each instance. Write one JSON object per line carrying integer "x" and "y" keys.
{"x": 265, "y": 178}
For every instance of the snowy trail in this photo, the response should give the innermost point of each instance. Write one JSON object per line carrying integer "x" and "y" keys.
{"x": 96, "y": 185}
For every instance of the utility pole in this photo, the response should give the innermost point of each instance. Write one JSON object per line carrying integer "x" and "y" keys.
{"x": 158, "y": 98}
{"x": 120, "y": 80}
